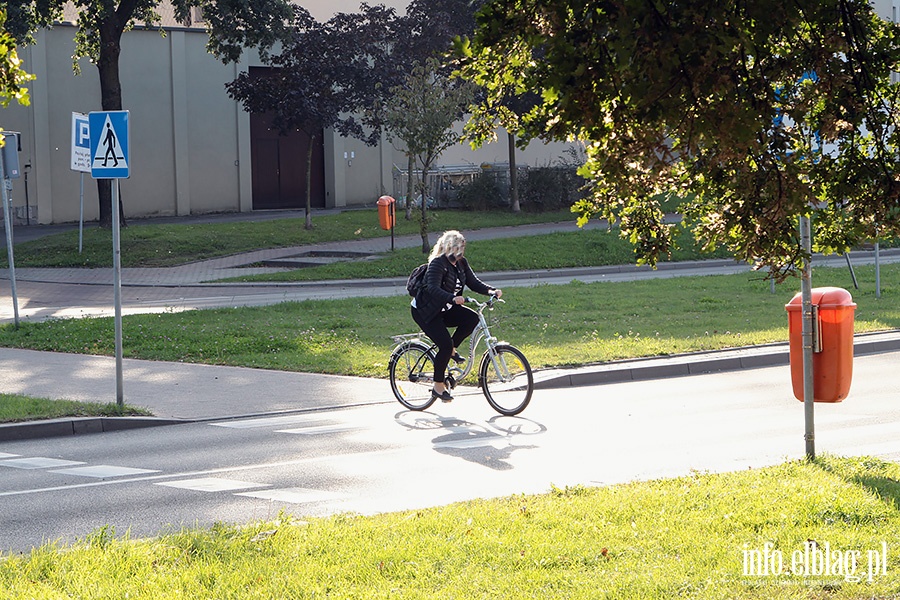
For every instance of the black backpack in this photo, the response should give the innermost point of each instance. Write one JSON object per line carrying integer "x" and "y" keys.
{"x": 416, "y": 279}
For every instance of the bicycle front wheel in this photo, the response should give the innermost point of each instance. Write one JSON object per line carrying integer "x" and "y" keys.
{"x": 506, "y": 380}
{"x": 412, "y": 375}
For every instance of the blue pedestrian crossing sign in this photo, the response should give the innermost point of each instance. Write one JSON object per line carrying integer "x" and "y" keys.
{"x": 109, "y": 135}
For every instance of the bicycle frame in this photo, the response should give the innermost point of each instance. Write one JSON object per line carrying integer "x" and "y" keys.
{"x": 481, "y": 332}
{"x": 411, "y": 369}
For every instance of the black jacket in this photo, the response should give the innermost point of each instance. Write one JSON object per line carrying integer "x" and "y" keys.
{"x": 440, "y": 284}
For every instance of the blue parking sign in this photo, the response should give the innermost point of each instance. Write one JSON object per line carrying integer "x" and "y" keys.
{"x": 81, "y": 143}
{"x": 109, "y": 135}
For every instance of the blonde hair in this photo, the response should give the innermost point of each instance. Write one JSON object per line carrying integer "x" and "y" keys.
{"x": 450, "y": 243}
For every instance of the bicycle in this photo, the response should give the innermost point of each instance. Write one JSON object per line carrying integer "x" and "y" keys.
{"x": 504, "y": 374}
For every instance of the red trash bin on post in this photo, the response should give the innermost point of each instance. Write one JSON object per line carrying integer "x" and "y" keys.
{"x": 832, "y": 343}
{"x": 386, "y": 212}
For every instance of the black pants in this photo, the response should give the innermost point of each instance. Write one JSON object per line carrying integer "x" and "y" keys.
{"x": 464, "y": 319}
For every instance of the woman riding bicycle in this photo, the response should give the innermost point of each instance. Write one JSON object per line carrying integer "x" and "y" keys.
{"x": 439, "y": 304}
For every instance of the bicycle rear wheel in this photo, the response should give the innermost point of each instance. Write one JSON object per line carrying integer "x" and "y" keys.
{"x": 412, "y": 375}
{"x": 506, "y": 380}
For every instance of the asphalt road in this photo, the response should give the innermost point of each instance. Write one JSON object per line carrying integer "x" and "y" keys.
{"x": 380, "y": 457}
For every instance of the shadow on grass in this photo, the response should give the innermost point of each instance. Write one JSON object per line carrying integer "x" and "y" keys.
{"x": 880, "y": 477}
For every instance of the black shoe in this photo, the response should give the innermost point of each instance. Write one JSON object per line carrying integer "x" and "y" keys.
{"x": 458, "y": 359}
{"x": 444, "y": 396}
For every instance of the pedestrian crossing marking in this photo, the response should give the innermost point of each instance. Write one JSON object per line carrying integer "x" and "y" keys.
{"x": 212, "y": 484}
{"x": 37, "y": 462}
{"x": 320, "y": 429}
{"x": 103, "y": 471}
{"x": 295, "y": 495}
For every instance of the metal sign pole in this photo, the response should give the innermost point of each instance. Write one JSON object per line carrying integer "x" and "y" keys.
{"x": 7, "y": 207}
{"x": 807, "y": 339}
{"x": 877, "y": 272}
{"x": 108, "y": 135}
{"x": 81, "y": 215}
{"x": 117, "y": 293}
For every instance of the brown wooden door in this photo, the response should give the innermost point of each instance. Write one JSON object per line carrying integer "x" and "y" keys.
{"x": 278, "y": 164}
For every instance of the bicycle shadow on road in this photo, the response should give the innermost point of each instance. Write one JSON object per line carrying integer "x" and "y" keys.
{"x": 490, "y": 443}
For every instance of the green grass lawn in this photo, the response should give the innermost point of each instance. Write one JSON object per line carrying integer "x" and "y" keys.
{"x": 15, "y": 407}
{"x": 158, "y": 245}
{"x": 583, "y": 248}
{"x": 559, "y": 325}
{"x": 704, "y": 536}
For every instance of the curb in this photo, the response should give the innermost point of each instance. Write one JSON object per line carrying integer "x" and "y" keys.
{"x": 10, "y": 432}
{"x": 655, "y": 368}
{"x": 754, "y": 357}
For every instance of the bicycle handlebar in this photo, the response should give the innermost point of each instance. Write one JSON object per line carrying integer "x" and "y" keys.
{"x": 489, "y": 303}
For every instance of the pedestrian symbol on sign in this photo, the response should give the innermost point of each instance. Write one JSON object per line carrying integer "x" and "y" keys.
{"x": 109, "y": 149}
{"x": 109, "y": 135}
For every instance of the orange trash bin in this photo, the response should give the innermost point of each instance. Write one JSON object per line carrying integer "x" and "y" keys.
{"x": 832, "y": 343}
{"x": 386, "y": 212}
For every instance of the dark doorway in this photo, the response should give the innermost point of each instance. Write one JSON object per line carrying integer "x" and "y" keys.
{"x": 279, "y": 164}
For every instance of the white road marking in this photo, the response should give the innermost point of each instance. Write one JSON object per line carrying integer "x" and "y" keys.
{"x": 37, "y": 462}
{"x": 212, "y": 484}
{"x": 103, "y": 471}
{"x": 320, "y": 429}
{"x": 270, "y": 421}
{"x": 275, "y": 464}
{"x": 295, "y": 495}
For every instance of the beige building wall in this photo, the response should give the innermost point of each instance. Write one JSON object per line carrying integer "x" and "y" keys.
{"x": 187, "y": 136}
{"x": 190, "y": 143}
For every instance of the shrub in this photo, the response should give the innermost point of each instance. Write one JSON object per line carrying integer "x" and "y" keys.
{"x": 482, "y": 193}
{"x": 544, "y": 189}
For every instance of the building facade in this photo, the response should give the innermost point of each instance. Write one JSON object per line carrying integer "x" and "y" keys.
{"x": 193, "y": 149}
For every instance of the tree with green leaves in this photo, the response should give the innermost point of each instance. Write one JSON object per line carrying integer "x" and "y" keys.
{"x": 754, "y": 113}
{"x": 309, "y": 91}
{"x": 13, "y": 77}
{"x": 232, "y": 25}
{"x": 421, "y": 113}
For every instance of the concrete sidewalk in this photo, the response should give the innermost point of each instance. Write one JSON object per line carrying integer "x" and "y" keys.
{"x": 180, "y": 392}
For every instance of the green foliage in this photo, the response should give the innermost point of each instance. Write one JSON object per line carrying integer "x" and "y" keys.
{"x": 12, "y": 76}
{"x": 755, "y": 111}
{"x": 683, "y": 537}
{"x": 232, "y": 25}
{"x": 420, "y": 113}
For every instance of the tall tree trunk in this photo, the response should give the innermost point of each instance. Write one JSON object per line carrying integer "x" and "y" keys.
{"x": 309, "y": 157}
{"x": 513, "y": 175}
{"x": 110, "y": 99}
{"x": 423, "y": 223}
{"x": 410, "y": 185}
